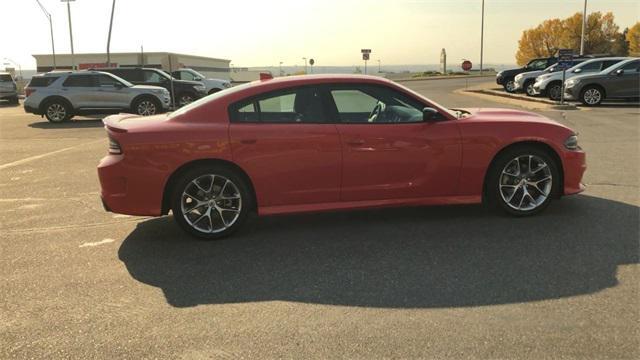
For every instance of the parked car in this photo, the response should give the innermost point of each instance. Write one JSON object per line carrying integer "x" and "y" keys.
{"x": 8, "y": 88}
{"x": 619, "y": 81}
{"x": 506, "y": 77}
{"x": 183, "y": 91}
{"x": 524, "y": 81}
{"x": 61, "y": 95}
{"x": 329, "y": 142}
{"x": 550, "y": 85}
{"x": 212, "y": 86}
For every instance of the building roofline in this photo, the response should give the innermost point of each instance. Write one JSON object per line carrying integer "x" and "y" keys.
{"x": 138, "y": 53}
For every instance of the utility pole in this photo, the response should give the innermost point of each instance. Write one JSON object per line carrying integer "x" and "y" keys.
{"x": 482, "y": 37}
{"x": 113, "y": 8}
{"x": 53, "y": 47}
{"x": 584, "y": 25}
{"x": 73, "y": 62}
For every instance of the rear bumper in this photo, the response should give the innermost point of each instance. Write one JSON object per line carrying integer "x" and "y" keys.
{"x": 8, "y": 95}
{"x": 575, "y": 164}
{"x": 129, "y": 190}
{"x": 31, "y": 110}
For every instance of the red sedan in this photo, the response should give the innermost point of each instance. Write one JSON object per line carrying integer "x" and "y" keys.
{"x": 314, "y": 143}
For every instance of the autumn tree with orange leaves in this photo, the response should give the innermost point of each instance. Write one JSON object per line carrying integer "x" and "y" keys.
{"x": 633, "y": 39}
{"x": 602, "y": 36}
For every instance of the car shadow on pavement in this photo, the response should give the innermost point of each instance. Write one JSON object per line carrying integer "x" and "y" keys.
{"x": 393, "y": 258}
{"x": 73, "y": 124}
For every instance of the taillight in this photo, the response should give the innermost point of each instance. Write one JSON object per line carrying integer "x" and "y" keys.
{"x": 114, "y": 147}
{"x": 28, "y": 91}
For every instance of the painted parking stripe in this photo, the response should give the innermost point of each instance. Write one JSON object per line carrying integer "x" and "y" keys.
{"x": 36, "y": 157}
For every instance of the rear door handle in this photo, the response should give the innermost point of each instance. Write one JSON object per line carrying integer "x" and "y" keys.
{"x": 355, "y": 142}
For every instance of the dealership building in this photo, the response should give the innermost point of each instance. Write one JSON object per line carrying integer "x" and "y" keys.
{"x": 210, "y": 67}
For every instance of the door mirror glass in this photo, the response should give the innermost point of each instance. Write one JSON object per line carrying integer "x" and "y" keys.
{"x": 578, "y": 70}
{"x": 429, "y": 114}
{"x": 619, "y": 72}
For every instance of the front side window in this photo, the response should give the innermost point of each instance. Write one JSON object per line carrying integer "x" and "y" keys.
{"x": 375, "y": 104}
{"x": 185, "y": 75}
{"x": 539, "y": 64}
{"x": 632, "y": 67}
{"x": 152, "y": 76}
{"x": 79, "y": 81}
{"x": 301, "y": 105}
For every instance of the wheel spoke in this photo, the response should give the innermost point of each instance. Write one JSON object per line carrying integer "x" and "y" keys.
{"x": 539, "y": 168}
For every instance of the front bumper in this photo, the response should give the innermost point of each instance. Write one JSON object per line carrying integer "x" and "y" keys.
{"x": 31, "y": 110}
{"x": 499, "y": 79}
{"x": 570, "y": 93}
{"x": 575, "y": 164}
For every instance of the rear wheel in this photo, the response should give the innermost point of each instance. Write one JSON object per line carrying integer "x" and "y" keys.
{"x": 211, "y": 202}
{"x": 592, "y": 95}
{"x": 523, "y": 180}
{"x": 57, "y": 111}
{"x": 509, "y": 85}
{"x": 185, "y": 98}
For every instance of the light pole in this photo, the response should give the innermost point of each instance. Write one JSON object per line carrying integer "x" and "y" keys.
{"x": 280, "y": 68}
{"x": 113, "y": 8}
{"x": 73, "y": 62}
{"x": 18, "y": 65}
{"x": 481, "y": 37}
{"x": 584, "y": 25}
{"x": 305, "y": 65}
{"x": 53, "y": 47}
{"x": 379, "y": 66}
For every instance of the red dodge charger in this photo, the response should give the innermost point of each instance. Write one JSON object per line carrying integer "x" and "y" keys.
{"x": 314, "y": 143}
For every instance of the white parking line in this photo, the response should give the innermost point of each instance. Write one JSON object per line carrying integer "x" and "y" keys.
{"x": 105, "y": 241}
{"x": 36, "y": 157}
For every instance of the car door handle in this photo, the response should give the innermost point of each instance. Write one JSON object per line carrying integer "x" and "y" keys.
{"x": 355, "y": 142}
{"x": 248, "y": 141}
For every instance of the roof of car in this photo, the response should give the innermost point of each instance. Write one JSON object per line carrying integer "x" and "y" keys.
{"x": 323, "y": 78}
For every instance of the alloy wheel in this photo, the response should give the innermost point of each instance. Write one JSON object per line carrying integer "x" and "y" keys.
{"x": 211, "y": 203}
{"x": 525, "y": 182}
{"x": 56, "y": 112}
{"x": 146, "y": 108}
{"x": 554, "y": 92}
{"x": 510, "y": 86}
{"x": 592, "y": 96}
{"x": 529, "y": 89}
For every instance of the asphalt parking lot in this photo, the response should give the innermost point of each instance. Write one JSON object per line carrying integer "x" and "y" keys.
{"x": 427, "y": 282}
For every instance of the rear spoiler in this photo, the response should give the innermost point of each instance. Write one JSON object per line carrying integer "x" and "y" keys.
{"x": 112, "y": 122}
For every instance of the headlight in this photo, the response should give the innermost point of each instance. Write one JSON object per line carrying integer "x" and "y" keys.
{"x": 500, "y": 73}
{"x": 158, "y": 91}
{"x": 572, "y": 142}
{"x": 518, "y": 77}
{"x": 570, "y": 83}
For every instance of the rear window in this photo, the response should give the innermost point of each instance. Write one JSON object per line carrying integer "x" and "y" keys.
{"x": 6, "y": 78}
{"x": 42, "y": 81}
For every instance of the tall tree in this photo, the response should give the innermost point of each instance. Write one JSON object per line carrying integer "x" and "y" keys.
{"x": 544, "y": 40}
{"x": 633, "y": 38}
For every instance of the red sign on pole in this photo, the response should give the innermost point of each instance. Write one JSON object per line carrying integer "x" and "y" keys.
{"x": 466, "y": 65}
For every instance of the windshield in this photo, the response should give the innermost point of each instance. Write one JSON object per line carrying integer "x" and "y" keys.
{"x": 166, "y": 74}
{"x": 197, "y": 74}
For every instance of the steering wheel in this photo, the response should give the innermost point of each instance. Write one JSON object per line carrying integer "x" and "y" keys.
{"x": 377, "y": 110}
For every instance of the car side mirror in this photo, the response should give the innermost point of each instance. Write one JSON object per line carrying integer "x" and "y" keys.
{"x": 577, "y": 71}
{"x": 429, "y": 114}
{"x": 197, "y": 78}
{"x": 619, "y": 72}
{"x": 118, "y": 86}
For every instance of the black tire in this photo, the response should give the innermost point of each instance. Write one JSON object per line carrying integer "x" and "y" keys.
{"x": 528, "y": 87}
{"x": 554, "y": 91}
{"x": 592, "y": 95}
{"x": 213, "y": 91}
{"x": 57, "y": 111}
{"x": 185, "y": 98}
{"x": 146, "y": 106}
{"x": 509, "y": 85}
{"x": 500, "y": 184}
{"x": 196, "y": 222}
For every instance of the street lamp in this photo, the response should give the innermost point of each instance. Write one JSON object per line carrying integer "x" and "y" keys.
{"x": 379, "y": 66}
{"x": 280, "y": 68}
{"x": 481, "y": 37}
{"x": 305, "y": 65}
{"x": 73, "y": 63}
{"x": 18, "y": 65}
{"x": 584, "y": 25}
{"x": 53, "y": 47}
{"x": 113, "y": 8}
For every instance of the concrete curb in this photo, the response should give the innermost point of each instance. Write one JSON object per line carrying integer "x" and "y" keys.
{"x": 509, "y": 100}
{"x": 443, "y": 78}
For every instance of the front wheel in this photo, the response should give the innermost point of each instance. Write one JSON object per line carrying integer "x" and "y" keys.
{"x": 591, "y": 95}
{"x": 554, "y": 91}
{"x": 211, "y": 202}
{"x": 146, "y": 107}
{"x": 509, "y": 85}
{"x": 523, "y": 180}
{"x": 528, "y": 88}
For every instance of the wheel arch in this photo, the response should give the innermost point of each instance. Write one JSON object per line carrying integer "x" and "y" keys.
{"x": 50, "y": 98}
{"x": 145, "y": 96}
{"x": 173, "y": 178}
{"x": 534, "y": 143}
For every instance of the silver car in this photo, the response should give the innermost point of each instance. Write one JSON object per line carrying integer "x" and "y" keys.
{"x": 8, "y": 88}
{"x": 61, "y": 95}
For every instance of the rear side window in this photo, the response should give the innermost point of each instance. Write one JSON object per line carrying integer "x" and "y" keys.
{"x": 298, "y": 105}
{"x": 79, "y": 81}
{"x": 591, "y": 67}
{"x": 608, "y": 63}
{"x": 6, "y": 78}
{"x": 42, "y": 81}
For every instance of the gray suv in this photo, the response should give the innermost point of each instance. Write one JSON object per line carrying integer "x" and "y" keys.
{"x": 61, "y": 95}
{"x": 8, "y": 88}
{"x": 619, "y": 81}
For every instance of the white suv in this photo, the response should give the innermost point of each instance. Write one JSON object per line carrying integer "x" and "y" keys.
{"x": 211, "y": 85}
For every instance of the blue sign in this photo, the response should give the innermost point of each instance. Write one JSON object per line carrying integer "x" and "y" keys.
{"x": 565, "y": 58}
